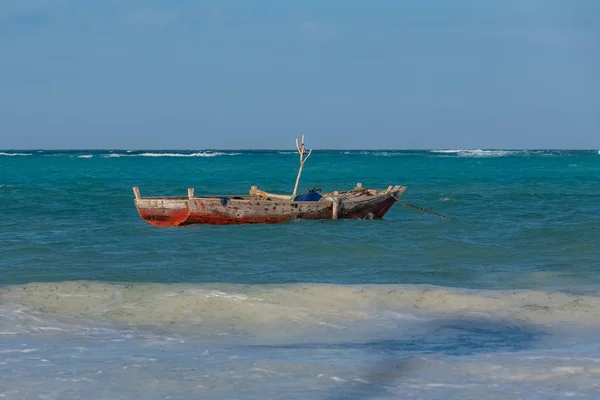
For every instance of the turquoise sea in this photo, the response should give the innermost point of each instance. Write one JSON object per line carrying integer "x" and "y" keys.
{"x": 503, "y": 302}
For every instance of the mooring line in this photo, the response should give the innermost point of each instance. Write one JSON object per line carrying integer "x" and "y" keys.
{"x": 420, "y": 208}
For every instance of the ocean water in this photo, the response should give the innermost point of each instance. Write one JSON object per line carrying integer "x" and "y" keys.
{"x": 503, "y": 302}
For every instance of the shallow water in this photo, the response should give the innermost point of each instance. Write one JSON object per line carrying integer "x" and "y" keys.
{"x": 501, "y": 303}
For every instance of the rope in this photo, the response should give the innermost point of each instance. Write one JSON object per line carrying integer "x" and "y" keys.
{"x": 419, "y": 208}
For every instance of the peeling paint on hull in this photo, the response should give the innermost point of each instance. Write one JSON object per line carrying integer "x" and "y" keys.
{"x": 163, "y": 217}
{"x": 219, "y": 219}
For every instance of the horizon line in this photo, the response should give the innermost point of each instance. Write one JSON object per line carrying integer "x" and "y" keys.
{"x": 314, "y": 149}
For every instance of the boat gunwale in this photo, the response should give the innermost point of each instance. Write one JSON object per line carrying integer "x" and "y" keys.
{"x": 232, "y": 198}
{"x": 183, "y": 198}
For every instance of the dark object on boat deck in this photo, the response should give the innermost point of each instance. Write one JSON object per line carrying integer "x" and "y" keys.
{"x": 310, "y": 196}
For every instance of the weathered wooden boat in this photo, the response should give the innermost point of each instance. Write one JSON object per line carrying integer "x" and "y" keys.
{"x": 262, "y": 207}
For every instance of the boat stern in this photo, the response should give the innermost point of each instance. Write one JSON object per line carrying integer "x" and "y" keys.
{"x": 162, "y": 211}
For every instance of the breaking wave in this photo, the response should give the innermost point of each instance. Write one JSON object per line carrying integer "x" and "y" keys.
{"x": 199, "y": 154}
{"x": 15, "y": 154}
{"x": 149, "y": 154}
{"x": 389, "y": 154}
{"x": 480, "y": 153}
{"x": 502, "y": 153}
{"x": 257, "y": 309}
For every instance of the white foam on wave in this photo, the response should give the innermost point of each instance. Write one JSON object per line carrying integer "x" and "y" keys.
{"x": 14, "y": 154}
{"x": 481, "y": 153}
{"x": 150, "y": 154}
{"x": 17, "y": 351}
{"x": 530, "y": 369}
{"x": 447, "y": 151}
{"x": 17, "y": 320}
{"x": 498, "y": 153}
{"x": 198, "y": 154}
{"x": 388, "y": 154}
{"x": 260, "y": 308}
{"x": 85, "y": 156}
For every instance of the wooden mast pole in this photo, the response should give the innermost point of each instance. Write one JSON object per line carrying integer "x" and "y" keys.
{"x": 302, "y": 152}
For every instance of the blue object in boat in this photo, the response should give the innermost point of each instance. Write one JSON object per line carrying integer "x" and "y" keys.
{"x": 310, "y": 196}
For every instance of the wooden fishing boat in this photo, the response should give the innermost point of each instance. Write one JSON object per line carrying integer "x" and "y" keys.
{"x": 262, "y": 207}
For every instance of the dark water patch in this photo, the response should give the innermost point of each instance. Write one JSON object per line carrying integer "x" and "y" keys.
{"x": 450, "y": 337}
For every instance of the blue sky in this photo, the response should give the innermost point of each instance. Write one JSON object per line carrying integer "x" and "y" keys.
{"x": 255, "y": 74}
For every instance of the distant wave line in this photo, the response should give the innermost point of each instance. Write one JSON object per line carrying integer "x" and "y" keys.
{"x": 198, "y": 154}
{"x": 15, "y": 154}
